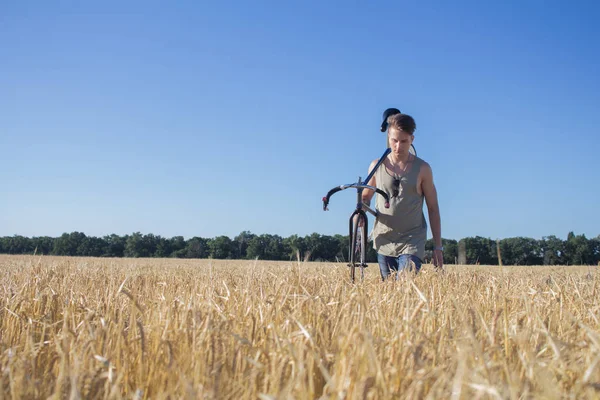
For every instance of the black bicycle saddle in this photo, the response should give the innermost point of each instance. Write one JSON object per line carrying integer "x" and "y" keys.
{"x": 386, "y": 114}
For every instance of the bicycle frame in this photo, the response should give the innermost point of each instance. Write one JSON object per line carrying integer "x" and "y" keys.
{"x": 360, "y": 209}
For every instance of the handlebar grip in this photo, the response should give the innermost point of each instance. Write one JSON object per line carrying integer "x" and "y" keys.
{"x": 385, "y": 196}
{"x": 329, "y": 194}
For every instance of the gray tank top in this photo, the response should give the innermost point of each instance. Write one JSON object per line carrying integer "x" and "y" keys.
{"x": 400, "y": 229}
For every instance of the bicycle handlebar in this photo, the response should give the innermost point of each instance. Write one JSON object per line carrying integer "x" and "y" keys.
{"x": 357, "y": 186}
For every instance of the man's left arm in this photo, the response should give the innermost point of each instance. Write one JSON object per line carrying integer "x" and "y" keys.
{"x": 433, "y": 208}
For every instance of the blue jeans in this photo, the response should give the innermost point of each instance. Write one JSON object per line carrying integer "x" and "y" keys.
{"x": 387, "y": 264}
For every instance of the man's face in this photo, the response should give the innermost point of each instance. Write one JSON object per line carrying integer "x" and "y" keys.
{"x": 399, "y": 141}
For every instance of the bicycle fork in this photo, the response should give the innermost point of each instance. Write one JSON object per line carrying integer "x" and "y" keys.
{"x": 358, "y": 238}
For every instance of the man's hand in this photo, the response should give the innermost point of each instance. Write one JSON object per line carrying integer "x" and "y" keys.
{"x": 438, "y": 259}
{"x": 433, "y": 207}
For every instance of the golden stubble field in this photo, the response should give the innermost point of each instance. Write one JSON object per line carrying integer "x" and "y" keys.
{"x": 85, "y": 328}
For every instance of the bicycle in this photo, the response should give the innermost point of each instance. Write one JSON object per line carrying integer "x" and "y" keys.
{"x": 357, "y": 251}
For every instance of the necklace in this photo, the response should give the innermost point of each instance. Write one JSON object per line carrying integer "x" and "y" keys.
{"x": 402, "y": 170}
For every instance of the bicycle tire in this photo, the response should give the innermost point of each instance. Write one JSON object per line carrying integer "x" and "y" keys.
{"x": 352, "y": 255}
{"x": 361, "y": 247}
{"x": 358, "y": 248}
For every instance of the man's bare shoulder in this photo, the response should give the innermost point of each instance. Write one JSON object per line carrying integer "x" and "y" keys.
{"x": 373, "y": 164}
{"x": 425, "y": 167}
{"x": 425, "y": 172}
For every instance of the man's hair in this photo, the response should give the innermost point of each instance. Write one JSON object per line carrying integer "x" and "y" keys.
{"x": 402, "y": 122}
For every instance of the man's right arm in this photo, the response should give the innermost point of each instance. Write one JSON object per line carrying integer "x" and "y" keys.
{"x": 367, "y": 194}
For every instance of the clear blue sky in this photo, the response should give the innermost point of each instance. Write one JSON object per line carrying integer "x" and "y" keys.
{"x": 205, "y": 119}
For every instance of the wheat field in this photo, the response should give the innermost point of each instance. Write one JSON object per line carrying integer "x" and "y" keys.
{"x": 89, "y": 328}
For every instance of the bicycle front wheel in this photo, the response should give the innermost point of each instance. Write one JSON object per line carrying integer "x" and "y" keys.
{"x": 358, "y": 246}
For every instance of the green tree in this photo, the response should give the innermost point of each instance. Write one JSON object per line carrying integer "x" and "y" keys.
{"x": 134, "y": 246}
{"x": 257, "y": 247}
{"x": 480, "y": 250}
{"x": 275, "y": 248}
{"x": 68, "y": 244}
{"x": 220, "y": 247}
{"x": 267, "y": 247}
{"x": 18, "y": 245}
{"x": 296, "y": 246}
{"x": 329, "y": 248}
{"x": 42, "y": 245}
{"x": 115, "y": 245}
{"x": 314, "y": 245}
{"x": 163, "y": 247}
{"x": 197, "y": 247}
{"x": 450, "y": 251}
{"x": 595, "y": 246}
{"x": 150, "y": 244}
{"x": 552, "y": 249}
{"x": 91, "y": 246}
{"x": 241, "y": 242}
{"x": 579, "y": 250}
{"x": 521, "y": 251}
{"x": 178, "y": 247}
{"x": 342, "y": 243}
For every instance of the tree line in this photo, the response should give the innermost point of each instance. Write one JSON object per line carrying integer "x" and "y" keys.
{"x": 550, "y": 250}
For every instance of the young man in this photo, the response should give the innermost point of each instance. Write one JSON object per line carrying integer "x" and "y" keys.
{"x": 400, "y": 231}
